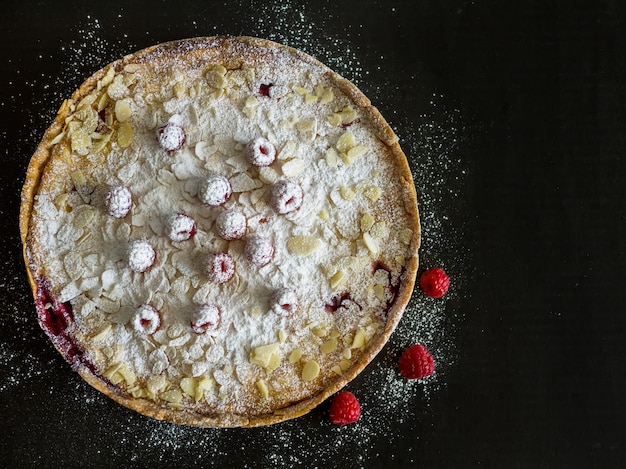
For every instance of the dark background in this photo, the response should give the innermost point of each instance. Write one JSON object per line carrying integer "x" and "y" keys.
{"x": 512, "y": 115}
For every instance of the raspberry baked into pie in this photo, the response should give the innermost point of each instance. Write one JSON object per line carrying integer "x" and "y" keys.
{"x": 219, "y": 231}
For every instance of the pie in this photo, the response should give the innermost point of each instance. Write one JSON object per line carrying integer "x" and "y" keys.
{"x": 219, "y": 231}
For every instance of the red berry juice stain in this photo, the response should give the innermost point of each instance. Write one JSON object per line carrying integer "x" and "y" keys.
{"x": 264, "y": 89}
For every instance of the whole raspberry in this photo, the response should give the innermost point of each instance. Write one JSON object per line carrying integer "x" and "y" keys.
{"x": 220, "y": 267}
{"x": 215, "y": 189}
{"x": 286, "y": 196}
{"x": 205, "y": 318}
{"x": 141, "y": 256}
{"x": 344, "y": 409}
{"x": 146, "y": 319}
{"x": 259, "y": 250}
{"x": 180, "y": 227}
{"x": 261, "y": 152}
{"x": 171, "y": 137}
{"x": 434, "y": 282}
{"x": 118, "y": 201}
{"x": 416, "y": 362}
{"x": 231, "y": 225}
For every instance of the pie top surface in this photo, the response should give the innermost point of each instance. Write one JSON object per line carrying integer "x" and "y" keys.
{"x": 219, "y": 231}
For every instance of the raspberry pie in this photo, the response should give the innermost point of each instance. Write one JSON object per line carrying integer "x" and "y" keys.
{"x": 219, "y": 231}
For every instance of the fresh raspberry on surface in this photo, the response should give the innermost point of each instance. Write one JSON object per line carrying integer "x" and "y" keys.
{"x": 259, "y": 250}
{"x": 434, "y": 282}
{"x": 261, "y": 152}
{"x": 215, "y": 189}
{"x": 118, "y": 201}
{"x": 146, "y": 319}
{"x": 344, "y": 409}
{"x": 171, "y": 137}
{"x": 286, "y": 196}
{"x": 231, "y": 225}
{"x": 416, "y": 362}
{"x": 220, "y": 267}
{"x": 180, "y": 227}
{"x": 141, "y": 255}
{"x": 206, "y": 318}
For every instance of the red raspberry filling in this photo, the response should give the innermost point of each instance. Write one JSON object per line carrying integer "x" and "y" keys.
{"x": 342, "y": 303}
{"x": 231, "y": 225}
{"x": 171, "y": 137}
{"x": 264, "y": 89}
{"x": 220, "y": 267}
{"x": 206, "y": 318}
{"x": 261, "y": 152}
{"x": 284, "y": 302}
{"x": 56, "y": 320}
{"x": 286, "y": 196}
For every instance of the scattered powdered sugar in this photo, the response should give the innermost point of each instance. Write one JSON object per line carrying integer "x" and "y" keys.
{"x": 435, "y": 146}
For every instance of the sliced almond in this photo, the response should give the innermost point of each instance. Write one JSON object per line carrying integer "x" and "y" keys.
{"x": 127, "y": 374}
{"x": 347, "y": 193}
{"x": 332, "y": 157}
{"x": 329, "y": 346}
{"x": 338, "y": 279}
{"x": 124, "y": 135}
{"x": 405, "y": 235}
{"x": 352, "y": 154}
{"x": 261, "y": 385}
{"x": 189, "y": 386}
{"x": 104, "y": 332}
{"x": 295, "y": 355}
{"x": 373, "y": 193}
{"x": 122, "y": 110}
{"x": 173, "y": 396}
{"x": 346, "y": 142}
{"x": 263, "y": 355}
{"x": 379, "y": 291}
{"x": 303, "y": 245}
{"x": 359, "y": 339}
{"x": 367, "y": 221}
{"x": 293, "y": 167}
{"x": 344, "y": 364}
{"x": 320, "y": 330}
{"x": 371, "y": 244}
{"x": 310, "y": 370}
{"x": 203, "y": 384}
{"x": 379, "y": 230}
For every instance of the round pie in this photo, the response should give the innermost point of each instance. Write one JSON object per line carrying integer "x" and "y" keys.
{"x": 219, "y": 231}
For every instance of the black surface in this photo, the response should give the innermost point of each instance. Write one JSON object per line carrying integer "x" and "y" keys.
{"x": 513, "y": 116}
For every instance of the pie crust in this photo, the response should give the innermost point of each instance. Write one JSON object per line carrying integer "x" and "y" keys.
{"x": 206, "y": 306}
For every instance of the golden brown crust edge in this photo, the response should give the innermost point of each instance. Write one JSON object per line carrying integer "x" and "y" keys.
{"x": 385, "y": 134}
